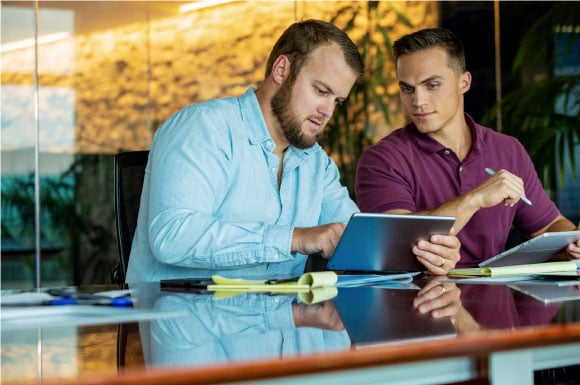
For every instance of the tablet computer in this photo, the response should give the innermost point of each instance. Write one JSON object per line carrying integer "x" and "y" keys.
{"x": 535, "y": 250}
{"x": 383, "y": 242}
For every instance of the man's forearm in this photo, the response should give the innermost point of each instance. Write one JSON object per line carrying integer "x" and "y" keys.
{"x": 461, "y": 207}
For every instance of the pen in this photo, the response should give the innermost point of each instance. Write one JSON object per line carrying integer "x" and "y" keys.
{"x": 65, "y": 298}
{"x": 277, "y": 281}
{"x": 523, "y": 197}
{"x": 113, "y": 302}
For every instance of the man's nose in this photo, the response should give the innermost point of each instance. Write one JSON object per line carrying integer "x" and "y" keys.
{"x": 327, "y": 108}
{"x": 419, "y": 97}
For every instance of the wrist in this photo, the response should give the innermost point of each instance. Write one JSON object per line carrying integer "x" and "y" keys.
{"x": 469, "y": 204}
{"x": 296, "y": 244}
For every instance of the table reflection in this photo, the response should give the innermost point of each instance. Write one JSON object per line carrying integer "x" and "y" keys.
{"x": 257, "y": 326}
{"x": 485, "y": 307}
{"x": 237, "y": 328}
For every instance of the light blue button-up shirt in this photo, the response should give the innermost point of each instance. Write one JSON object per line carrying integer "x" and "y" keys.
{"x": 211, "y": 202}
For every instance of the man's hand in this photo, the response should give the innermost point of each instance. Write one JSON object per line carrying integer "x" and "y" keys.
{"x": 320, "y": 239}
{"x": 322, "y": 315}
{"x": 439, "y": 299}
{"x": 574, "y": 248}
{"x": 502, "y": 187}
{"x": 440, "y": 254}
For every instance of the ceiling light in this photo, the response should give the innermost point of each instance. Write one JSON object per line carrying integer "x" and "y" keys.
{"x": 201, "y": 5}
{"x": 26, "y": 43}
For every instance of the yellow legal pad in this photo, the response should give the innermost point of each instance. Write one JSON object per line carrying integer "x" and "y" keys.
{"x": 503, "y": 271}
{"x": 311, "y": 287}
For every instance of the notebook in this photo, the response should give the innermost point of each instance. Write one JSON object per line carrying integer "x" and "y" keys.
{"x": 518, "y": 271}
{"x": 383, "y": 242}
{"x": 392, "y": 316}
{"x": 535, "y": 250}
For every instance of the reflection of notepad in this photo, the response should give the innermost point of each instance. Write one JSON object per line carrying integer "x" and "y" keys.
{"x": 535, "y": 250}
{"x": 383, "y": 242}
{"x": 378, "y": 316}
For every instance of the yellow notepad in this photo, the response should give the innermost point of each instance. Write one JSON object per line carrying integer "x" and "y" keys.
{"x": 304, "y": 283}
{"x": 311, "y": 287}
{"x": 503, "y": 271}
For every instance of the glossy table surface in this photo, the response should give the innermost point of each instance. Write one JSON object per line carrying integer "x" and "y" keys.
{"x": 182, "y": 336}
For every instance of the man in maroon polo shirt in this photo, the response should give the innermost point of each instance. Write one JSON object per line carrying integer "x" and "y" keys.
{"x": 437, "y": 164}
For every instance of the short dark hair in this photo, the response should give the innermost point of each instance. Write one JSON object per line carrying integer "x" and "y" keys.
{"x": 431, "y": 38}
{"x": 301, "y": 38}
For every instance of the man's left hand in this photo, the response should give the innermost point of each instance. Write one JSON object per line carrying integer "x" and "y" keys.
{"x": 440, "y": 254}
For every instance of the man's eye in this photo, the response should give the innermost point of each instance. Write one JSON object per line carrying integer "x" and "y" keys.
{"x": 406, "y": 89}
{"x": 433, "y": 85}
{"x": 320, "y": 91}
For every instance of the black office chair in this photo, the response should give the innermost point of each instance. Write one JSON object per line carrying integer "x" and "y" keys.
{"x": 129, "y": 176}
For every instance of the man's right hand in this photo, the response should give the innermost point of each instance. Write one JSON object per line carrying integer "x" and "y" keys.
{"x": 502, "y": 187}
{"x": 320, "y": 239}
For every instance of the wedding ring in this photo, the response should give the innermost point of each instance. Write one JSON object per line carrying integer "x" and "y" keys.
{"x": 442, "y": 262}
{"x": 444, "y": 291}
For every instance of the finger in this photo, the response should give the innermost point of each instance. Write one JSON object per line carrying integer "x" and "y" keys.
{"x": 444, "y": 246}
{"x": 429, "y": 294}
{"x": 433, "y": 281}
{"x": 429, "y": 252}
{"x": 445, "y": 311}
{"x": 436, "y": 261}
{"x": 433, "y": 269}
{"x": 445, "y": 303}
{"x": 448, "y": 241}
{"x": 432, "y": 304}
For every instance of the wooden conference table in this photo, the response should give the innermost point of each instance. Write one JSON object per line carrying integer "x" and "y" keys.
{"x": 500, "y": 336}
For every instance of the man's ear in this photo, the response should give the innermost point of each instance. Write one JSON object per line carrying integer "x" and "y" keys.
{"x": 281, "y": 69}
{"x": 465, "y": 81}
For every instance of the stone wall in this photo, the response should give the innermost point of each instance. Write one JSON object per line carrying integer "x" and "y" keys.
{"x": 128, "y": 80}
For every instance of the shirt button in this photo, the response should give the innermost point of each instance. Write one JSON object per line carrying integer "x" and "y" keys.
{"x": 269, "y": 143}
{"x": 276, "y": 300}
{"x": 273, "y": 170}
{"x": 461, "y": 169}
{"x": 446, "y": 152}
{"x": 276, "y": 257}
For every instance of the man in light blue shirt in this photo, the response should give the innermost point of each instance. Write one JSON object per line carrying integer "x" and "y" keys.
{"x": 239, "y": 186}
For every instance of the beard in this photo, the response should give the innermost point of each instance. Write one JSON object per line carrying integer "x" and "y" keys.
{"x": 289, "y": 123}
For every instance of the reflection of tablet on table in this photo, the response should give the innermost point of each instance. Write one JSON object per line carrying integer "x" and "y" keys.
{"x": 535, "y": 250}
{"x": 383, "y": 242}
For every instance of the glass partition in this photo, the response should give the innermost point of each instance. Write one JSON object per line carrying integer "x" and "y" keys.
{"x": 110, "y": 72}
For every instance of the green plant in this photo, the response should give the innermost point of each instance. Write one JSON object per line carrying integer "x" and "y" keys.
{"x": 62, "y": 226}
{"x": 543, "y": 113}
{"x": 350, "y": 128}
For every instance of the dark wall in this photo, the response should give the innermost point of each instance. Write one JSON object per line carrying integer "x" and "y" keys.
{"x": 473, "y": 21}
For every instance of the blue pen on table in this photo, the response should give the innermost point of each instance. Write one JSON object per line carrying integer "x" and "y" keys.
{"x": 114, "y": 302}
{"x": 67, "y": 298}
{"x": 523, "y": 197}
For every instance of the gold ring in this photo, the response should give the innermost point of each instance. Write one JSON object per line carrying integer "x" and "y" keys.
{"x": 444, "y": 291}
{"x": 442, "y": 262}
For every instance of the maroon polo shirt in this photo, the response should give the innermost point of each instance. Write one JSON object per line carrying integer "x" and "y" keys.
{"x": 411, "y": 171}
